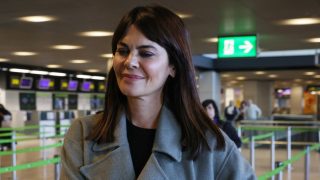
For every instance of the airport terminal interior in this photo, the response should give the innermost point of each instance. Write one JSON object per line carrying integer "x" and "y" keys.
{"x": 55, "y": 57}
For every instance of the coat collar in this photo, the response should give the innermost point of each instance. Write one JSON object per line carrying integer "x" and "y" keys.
{"x": 167, "y": 139}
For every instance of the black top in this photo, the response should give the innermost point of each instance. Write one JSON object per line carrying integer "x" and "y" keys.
{"x": 140, "y": 142}
{"x": 231, "y": 132}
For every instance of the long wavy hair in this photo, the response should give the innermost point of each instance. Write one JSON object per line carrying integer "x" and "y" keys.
{"x": 180, "y": 95}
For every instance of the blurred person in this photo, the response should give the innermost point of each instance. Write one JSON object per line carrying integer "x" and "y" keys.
{"x": 242, "y": 108}
{"x": 231, "y": 113}
{"x": 252, "y": 111}
{"x": 5, "y": 123}
{"x": 153, "y": 125}
{"x": 213, "y": 113}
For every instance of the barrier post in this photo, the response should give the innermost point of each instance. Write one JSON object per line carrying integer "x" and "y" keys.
{"x": 56, "y": 169}
{"x": 252, "y": 151}
{"x": 14, "y": 155}
{"x": 289, "y": 151}
{"x": 272, "y": 155}
{"x": 307, "y": 164}
{"x": 239, "y": 134}
{"x": 279, "y": 176}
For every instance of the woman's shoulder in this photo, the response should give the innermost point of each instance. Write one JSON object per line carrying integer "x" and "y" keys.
{"x": 81, "y": 126}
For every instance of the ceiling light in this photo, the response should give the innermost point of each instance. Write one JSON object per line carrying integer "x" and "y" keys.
{"x": 310, "y": 73}
{"x": 272, "y": 76}
{"x": 66, "y": 47}
{"x": 309, "y": 82}
{"x": 109, "y": 55}
{"x": 83, "y": 76}
{"x": 241, "y": 78}
{"x": 39, "y": 72}
{"x": 212, "y": 40}
{"x": 260, "y": 72}
{"x": 225, "y": 75}
{"x": 314, "y": 40}
{"x": 300, "y": 21}
{"x": 17, "y": 70}
{"x": 317, "y": 76}
{"x": 184, "y": 16}
{"x": 297, "y": 80}
{"x": 93, "y": 70}
{"x": 98, "y": 78}
{"x": 60, "y": 74}
{"x": 3, "y": 60}
{"x": 37, "y": 18}
{"x": 53, "y": 66}
{"x": 79, "y": 61}
{"x": 23, "y": 53}
{"x": 96, "y": 33}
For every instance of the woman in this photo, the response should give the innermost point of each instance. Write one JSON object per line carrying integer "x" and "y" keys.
{"x": 213, "y": 113}
{"x": 153, "y": 125}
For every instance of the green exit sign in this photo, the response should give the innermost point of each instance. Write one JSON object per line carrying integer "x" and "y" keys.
{"x": 237, "y": 46}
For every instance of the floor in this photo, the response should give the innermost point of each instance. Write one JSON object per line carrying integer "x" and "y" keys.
{"x": 262, "y": 163}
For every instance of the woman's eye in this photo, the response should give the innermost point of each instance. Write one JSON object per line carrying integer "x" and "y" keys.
{"x": 123, "y": 52}
{"x": 145, "y": 54}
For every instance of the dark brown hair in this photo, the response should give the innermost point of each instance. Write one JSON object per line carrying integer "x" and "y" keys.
{"x": 162, "y": 26}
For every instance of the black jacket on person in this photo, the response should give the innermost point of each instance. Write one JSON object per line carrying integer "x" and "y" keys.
{"x": 227, "y": 127}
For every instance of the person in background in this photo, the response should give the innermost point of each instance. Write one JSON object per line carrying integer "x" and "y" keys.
{"x": 213, "y": 113}
{"x": 231, "y": 113}
{"x": 252, "y": 111}
{"x": 153, "y": 125}
{"x": 5, "y": 122}
{"x": 242, "y": 108}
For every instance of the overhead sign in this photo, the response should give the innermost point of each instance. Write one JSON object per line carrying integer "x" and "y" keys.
{"x": 237, "y": 46}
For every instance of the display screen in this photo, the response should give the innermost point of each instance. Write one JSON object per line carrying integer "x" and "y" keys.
{"x": 86, "y": 86}
{"x": 73, "y": 85}
{"x": 27, "y": 101}
{"x": 44, "y": 83}
{"x": 26, "y": 82}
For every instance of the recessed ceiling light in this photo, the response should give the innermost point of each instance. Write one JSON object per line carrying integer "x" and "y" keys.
{"x": 98, "y": 77}
{"x": 272, "y": 76}
{"x": 260, "y": 72}
{"x": 3, "y": 60}
{"x": 53, "y": 66}
{"x": 96, "y": 33}
{"x": 309, "y": 82}
{"x": 225, "y": 75}
{"x": 300, "y": 21}
{"x": 93, "y": 70}
{"x": 310, "y": 73}
{"x": 37, "y": 18}
{"x": 17, "y": 70}
{"x": 83, "y": 76}
{"x": 79, "y": 61}
{"x": 241, "y": 78}
{"x": 297, "y": 80}
{"x": 184, "y": 16}
{"x": 60, "y": 74}
{"x": 24, "y": 53}
{"x": 214, "y": 40}
{"x": 109, "y": 55}
{"x": 314, "y": 40}
{"x": 66, "y": 47}
{"x": 39, "y": 72}
{"x": 317, "y": 76}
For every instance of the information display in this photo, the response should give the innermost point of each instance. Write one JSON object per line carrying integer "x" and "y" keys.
{"x": 27, "y": 101}
{"x": 26, "y": 82}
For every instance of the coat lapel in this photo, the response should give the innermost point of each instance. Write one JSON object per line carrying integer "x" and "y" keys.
{"x": 113, "y": 160}
{"x": 166, "y": 143}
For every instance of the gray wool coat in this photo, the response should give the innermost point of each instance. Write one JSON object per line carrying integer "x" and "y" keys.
{"x": 82, "y": 159}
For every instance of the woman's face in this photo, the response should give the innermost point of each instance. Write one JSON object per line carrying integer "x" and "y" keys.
{"x": 141, "y": 66}
{"x": 210, "y": 111}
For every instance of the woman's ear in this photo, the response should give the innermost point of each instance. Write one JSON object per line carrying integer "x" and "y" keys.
{"x": 172, "y": 72}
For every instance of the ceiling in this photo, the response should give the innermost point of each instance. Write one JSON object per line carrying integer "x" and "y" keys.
{"x": 209, "y": 19}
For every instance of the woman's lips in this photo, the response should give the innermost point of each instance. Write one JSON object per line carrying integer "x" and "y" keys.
{"x": 132, "y": 76}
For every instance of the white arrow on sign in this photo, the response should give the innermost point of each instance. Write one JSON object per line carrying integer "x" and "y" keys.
{"x": 247, "y": 46}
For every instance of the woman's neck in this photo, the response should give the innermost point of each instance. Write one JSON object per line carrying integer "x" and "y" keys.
{"x": 144, "y": 113}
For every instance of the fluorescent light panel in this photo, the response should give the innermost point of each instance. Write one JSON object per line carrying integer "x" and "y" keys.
{"x": 37, "y": 19}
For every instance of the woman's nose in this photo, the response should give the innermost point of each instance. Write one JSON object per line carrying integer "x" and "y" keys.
{"x": 132, "y": 61}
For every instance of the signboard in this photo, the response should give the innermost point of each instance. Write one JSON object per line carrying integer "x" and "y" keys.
{"x": 237, "y": 46}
